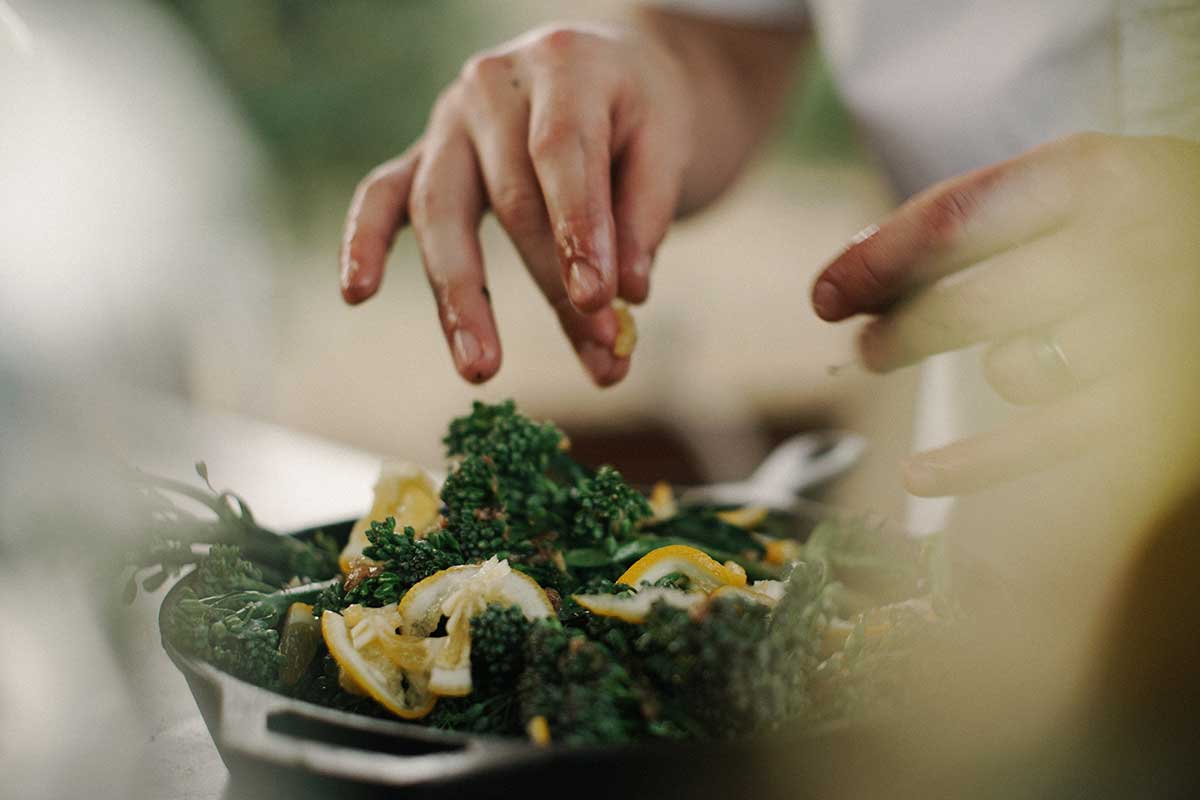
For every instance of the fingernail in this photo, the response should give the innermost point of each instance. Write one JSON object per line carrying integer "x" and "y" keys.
{"x": 598, "y": 359}
{"x": 584, "y": 283}
{"x": 466, "y": 348}
{"x": 827, "y": 299}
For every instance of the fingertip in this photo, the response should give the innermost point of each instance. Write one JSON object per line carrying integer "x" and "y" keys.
{"x": 921, "y": 478}
{"x": 357, "y": 284}
{"x": 616, "y": 373}
{"x": 476, "y": 357}
{"x": 587, "y": 288}
{"x": 604, "y": 368}
{"x": 635, "y": 280}
{"x": 828, "y": 300}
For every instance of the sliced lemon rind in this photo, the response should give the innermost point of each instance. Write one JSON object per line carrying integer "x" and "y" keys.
{"x": 703, "y": 571}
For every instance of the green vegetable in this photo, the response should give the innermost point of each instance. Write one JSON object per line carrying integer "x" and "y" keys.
{"x": 235, "y": 628}
{"x": 175, "y": 538}
{"x": 579, "y": 687}
{"x": 727, "y": 666}
{"x": 404, "y": 560}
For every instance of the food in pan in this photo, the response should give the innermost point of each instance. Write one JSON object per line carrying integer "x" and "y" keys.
{"x": 532, "y": 596}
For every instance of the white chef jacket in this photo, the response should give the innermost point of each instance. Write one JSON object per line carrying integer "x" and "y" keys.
{"x": 941, "y": 87}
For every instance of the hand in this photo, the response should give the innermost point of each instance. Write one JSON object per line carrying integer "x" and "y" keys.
{"x": 577, "y": 139}
{"x": 1077, "y": 263}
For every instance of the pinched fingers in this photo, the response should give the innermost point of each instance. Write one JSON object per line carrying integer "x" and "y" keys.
{"x": 498, "y": 122}
{"x": 376, "y": 213}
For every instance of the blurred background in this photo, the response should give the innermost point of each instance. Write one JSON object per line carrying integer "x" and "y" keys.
{"x": 173, "y": 175}
{"x": 181, "y": 186}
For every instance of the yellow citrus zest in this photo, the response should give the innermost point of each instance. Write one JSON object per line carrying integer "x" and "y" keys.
{"x": 627, "y": 335}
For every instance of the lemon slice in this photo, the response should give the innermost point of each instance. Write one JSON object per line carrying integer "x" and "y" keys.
{"x": 493, "y": 581}
{"x": 404, "y": 491}
{"x": 459, "y": 593}
{"x": 635, "y": 607}
{"x": 392, "y": 669}
{"x": 746, "y": 517}
{"x": 704, "y": 572}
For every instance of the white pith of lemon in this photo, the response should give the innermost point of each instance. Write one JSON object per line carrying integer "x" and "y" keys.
{"x": 635, "y": 607}
{"x": 457, "y": 594}
{"x": 403, "y": 491}
{"x": 390, "y": 668}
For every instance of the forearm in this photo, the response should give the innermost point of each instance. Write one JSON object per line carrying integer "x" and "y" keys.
{"x": 738, "y": 79}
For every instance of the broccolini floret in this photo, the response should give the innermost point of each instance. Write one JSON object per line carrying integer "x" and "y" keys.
{"x": 607, "y": 508}
{"x": 236, "y": 628}
{"x": 579, "y": 687}
{"x": 498, "y": 637}
{"x": 224, "y": 571}
{"x": 498, "y": 645}
{"x": 402, "y": 561}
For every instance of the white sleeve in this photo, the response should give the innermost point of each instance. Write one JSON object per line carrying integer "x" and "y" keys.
{"x": 781, "y": 13}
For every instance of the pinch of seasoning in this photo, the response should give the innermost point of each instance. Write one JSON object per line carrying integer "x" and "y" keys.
{"x": 626, "y": 331}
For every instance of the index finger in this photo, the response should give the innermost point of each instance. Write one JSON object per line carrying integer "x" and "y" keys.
{"x": 944, "y": 229}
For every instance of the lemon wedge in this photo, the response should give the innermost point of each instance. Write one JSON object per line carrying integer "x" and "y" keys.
{"x": 459, "y": 593}
{"x": 635, "y": 607}
{"x": 704, "y": 572}
{"x": 404, "y": 491}
{"x": 392, "y": 669}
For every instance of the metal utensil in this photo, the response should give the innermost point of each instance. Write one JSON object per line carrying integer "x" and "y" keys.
{"x": 797, "y": 464}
